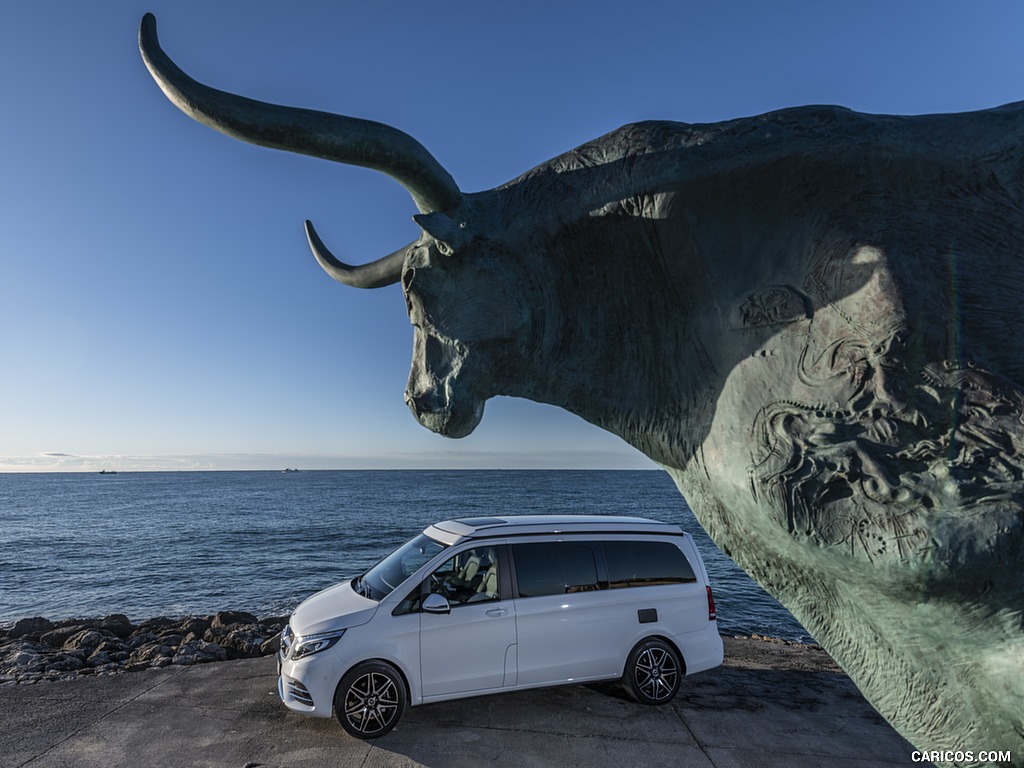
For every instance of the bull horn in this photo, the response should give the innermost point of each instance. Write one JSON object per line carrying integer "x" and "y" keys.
{"x": 342, "y": 139}
{"x": 376, "y": 274}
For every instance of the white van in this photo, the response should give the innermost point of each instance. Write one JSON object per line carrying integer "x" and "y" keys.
{"x": 492, "y": 604}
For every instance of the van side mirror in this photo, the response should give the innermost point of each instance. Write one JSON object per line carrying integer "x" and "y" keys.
{"x": 436, "y": 603}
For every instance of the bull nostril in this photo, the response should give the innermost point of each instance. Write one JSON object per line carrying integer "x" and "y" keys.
{"x": 423, "y": 404}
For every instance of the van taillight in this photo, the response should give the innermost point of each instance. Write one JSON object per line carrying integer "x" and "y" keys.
{"x": 712, "y": 615}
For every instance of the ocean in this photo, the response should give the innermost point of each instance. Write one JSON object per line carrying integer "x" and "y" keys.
{"x": 148, "y": 544}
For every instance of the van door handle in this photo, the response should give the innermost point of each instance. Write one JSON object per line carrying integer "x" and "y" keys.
{"x": 497, "y": 612}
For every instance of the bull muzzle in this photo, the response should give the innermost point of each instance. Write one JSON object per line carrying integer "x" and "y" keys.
{"x": 440, "y": 393}
{"x": 449, "y": 419}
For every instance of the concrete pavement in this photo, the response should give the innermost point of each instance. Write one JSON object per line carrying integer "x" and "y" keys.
{"x": 758, "y": 710}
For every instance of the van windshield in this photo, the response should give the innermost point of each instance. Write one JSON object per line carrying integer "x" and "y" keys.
{"x": 378, "y": 582}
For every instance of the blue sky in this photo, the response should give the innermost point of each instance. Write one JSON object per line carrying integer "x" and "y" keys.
{"x": 159, "y": 305}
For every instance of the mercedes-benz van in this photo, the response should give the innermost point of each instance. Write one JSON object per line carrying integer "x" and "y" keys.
{"x": 486, "y": 605}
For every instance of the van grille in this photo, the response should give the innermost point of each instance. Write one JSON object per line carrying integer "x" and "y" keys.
{"x": 286, "y": 641}
{"x": 298, "y": 691}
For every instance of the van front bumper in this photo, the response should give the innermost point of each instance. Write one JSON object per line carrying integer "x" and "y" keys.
{"x": 307, "y": 686}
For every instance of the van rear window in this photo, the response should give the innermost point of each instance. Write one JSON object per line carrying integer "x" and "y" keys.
{"x": 646, "y": 564}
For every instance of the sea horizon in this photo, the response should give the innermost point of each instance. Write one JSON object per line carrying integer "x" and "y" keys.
{"x": 625, "y": 459}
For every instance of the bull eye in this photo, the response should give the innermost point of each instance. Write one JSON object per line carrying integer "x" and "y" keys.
{"x": 407, "y": 278}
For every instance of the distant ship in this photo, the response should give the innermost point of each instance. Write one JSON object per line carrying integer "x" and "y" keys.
{"x": 108, "y": 471}
{"x": 289, "y": 469}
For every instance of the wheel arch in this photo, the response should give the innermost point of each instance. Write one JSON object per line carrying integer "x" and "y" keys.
{"x": 665, "y": 639}
{"x": 402, "y": 673}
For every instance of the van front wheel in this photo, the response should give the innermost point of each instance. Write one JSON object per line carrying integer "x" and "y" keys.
{"x": 653, "y": 672}
{"x": 370, "y": 699}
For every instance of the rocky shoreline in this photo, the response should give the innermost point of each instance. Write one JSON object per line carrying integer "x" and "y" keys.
{"x": 37, "y": 650}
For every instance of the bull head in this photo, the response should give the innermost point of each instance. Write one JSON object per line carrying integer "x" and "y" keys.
{"x": 441, "y": 393}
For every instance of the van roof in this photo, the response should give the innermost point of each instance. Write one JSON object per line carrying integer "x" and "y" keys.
{"x": 453, "y": 531}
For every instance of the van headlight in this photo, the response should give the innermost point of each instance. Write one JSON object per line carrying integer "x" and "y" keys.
{"x": 307, "y": 645}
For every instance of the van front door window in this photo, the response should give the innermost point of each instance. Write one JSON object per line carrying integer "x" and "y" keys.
{"x": 469, "y": 577}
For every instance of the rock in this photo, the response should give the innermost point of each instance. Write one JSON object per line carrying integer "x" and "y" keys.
{"x": 194, "y": 625}
{"x": 66, "y": 663}
{"x": 117, "y": 624}
{"x": 153, "y": 625}
{"x": 246, "y": 641}
{"x": 98, "y": 659}
{"x": 243, "y": 641}
{"x": 139, "y": 639}
{"x": 151, "y": 652}
{"x": 58, "y": 636}
{"x": 89, "y": 640}
{"x": 271, "y": 646}
{"x": 30, "y": 628}
{"x": 26, "y": 658}
{"x": 226, "y": 618}
{"x": 199, "y": 652}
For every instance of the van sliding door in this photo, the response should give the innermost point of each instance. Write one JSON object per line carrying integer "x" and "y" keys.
{"x": 560, "y": 614}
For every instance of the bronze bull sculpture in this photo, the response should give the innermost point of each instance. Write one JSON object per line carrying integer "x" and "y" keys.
{"x": 808, "y": 318}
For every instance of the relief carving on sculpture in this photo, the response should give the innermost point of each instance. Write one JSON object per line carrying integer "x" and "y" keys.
{"x": 809, "y": 318}
{"x": 870, "y": 450}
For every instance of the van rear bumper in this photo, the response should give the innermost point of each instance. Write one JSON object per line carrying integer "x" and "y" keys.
{"x": 701, "y": 650}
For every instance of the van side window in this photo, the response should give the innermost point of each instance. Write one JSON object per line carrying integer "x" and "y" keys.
{"x": 646, "y": 564}
{"x": 469, "y": 577}
{"x": 554, "y": 568}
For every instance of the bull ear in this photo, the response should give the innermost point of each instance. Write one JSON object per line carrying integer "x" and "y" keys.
{"x": 449, "y": 234}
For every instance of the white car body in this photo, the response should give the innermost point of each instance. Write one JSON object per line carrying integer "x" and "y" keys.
{"x": 552, "y": 600}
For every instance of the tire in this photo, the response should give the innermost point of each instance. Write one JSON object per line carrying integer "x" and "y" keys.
{"x": 653, "y": 672}
{"x": 370, "y": 699}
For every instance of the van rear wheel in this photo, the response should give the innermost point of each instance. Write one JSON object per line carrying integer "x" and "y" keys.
{"x": 653, "y": 672}
{"x": 370, "y": 699}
